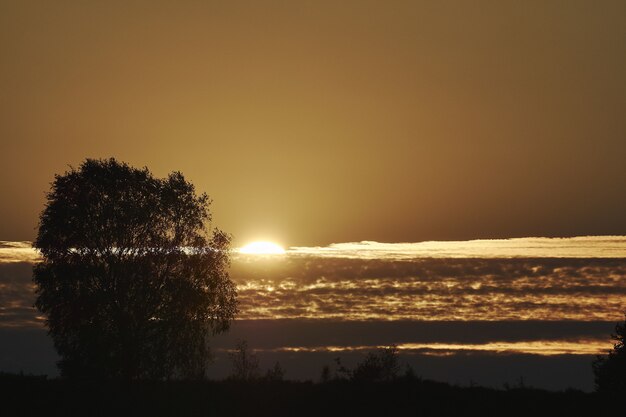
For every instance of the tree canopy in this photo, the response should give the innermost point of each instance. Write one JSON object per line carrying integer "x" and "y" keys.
{"x": 133, "y": 279}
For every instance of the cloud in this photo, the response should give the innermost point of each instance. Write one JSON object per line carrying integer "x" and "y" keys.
{"x": 535, "y": 247}
{"x": 432, "y": 288}
{"x": 17, "y": 296}
{"x": 535, "y": 347}
{"x": 17, "y": 252}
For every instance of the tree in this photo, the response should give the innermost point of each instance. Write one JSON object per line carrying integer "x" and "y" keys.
{"x": 382, "y": 365}
{"x": 610, "y": 370}
{"x": 325, "y": 377}
{"x": 133, "y": 280}
{"x": 245, "y": 363}
{"x": 275, "y": 374}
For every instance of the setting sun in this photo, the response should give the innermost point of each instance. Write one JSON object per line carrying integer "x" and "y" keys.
{"x": 262, "y": 248}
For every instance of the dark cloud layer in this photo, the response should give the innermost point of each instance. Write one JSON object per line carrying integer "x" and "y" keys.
{"x": 268, "y": 334}
{"x": 309, "y": 268}
{"x": 31, "y": 351}
{"x": 17, "y": 296}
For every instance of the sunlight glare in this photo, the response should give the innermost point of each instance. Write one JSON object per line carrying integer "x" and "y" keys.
{"x": 262, "y": 248}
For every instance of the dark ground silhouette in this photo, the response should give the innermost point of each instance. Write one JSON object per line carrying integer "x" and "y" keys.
{"x": 30, "y": 396}
{"x": 378, "y": 385}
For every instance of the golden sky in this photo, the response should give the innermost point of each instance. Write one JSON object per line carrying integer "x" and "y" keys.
{"x": 317, "y": 122}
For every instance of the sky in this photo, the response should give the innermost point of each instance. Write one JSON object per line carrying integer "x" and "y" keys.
{"x": 446, "y": 176}
{"x": 311, "y": 123}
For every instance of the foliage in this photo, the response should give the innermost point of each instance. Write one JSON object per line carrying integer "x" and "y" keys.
{"x": 610, "y": 370}
{"x": 245, "y": 363}
{"x": 133, "y": 280}
{"x": 382, "y": 365}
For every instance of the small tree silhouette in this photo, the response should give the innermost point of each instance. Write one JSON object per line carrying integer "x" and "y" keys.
{"x": 325, "y": 376}
{"x": 610, "y": 370}
{"x": 245, "y": 363}
{"x": 382, "y": 365}
{"x": 342, "y": 372}
{"x": 276, "y": 373}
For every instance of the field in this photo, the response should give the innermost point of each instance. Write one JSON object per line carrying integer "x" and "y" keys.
{"x": 38, "y": 396}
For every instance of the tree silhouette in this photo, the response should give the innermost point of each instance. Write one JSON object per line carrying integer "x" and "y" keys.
{"x": 276, "y": 373}
{"x": 326, "y": 375}
{"x": 132, "y": 281}
{"x": 610, "y": 370}
{"x": 245, "y": 363}
{"x": 382, "y": 365}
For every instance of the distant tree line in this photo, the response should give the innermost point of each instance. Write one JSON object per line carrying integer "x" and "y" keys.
{"x": 382, "y": 365}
